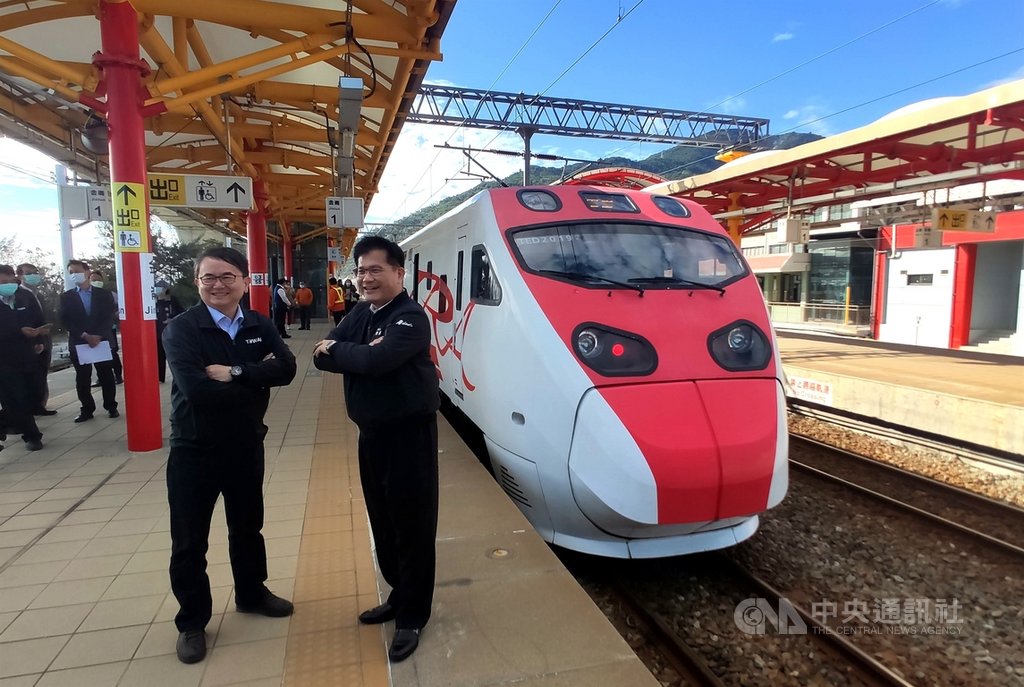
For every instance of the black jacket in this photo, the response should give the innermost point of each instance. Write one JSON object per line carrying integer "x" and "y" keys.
{"x": 206, "y": 413}
{"x": 99, "y": 320}
{"x": 16, "y": 349}
{"x": 390, "y": 380}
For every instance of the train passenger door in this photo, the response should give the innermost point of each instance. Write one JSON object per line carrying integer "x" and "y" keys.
{"x": 459, "y": 296}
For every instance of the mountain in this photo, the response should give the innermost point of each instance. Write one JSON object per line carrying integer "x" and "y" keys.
{"x": 677, "y": 162}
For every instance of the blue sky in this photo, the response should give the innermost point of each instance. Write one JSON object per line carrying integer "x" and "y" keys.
{"x": 792, "y": 61}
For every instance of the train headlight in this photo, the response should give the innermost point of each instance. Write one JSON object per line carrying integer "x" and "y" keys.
{"x": 539, "y": 201}
{"x": 740, "y": 346}
{"x": 613, "y": 352}
{"x": 588, "y": 344}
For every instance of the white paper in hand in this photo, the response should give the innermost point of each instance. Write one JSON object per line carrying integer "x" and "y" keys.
{"x": 87, "y": 355}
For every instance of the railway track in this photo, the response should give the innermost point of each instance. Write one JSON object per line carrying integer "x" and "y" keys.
{"x": 979, "y": 518}
{"x": 857, "y": 666}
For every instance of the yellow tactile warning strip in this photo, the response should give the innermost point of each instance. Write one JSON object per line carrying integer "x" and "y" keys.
{"x": 335, "y": 576}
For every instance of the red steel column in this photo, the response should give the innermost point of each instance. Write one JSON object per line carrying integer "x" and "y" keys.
{"x": 122, "y": 74}
{"x": 286, "y": 250}
{"x": 256, "y": 238}
{"x": 963, "y": 294}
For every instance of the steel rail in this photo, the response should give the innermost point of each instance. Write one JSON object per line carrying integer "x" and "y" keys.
{"x": 867, "y": 667}
{"x": 970, "y": 532}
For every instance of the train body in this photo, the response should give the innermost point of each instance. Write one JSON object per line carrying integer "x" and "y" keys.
{"x": 615, "y": 351}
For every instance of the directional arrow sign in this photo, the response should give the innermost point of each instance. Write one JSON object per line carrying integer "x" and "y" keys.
{"x": 131, "y": 230}
{"x": 198, "y": 191}
{"x": 955, "y": 219}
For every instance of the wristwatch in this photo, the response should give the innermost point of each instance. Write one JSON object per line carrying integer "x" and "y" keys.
{"x": 236, "y": 371}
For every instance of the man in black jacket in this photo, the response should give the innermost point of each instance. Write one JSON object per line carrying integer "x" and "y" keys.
{"x": 224, "y": 361}
{"x": 31, "y": 280}
{"x": 21, "y": 325}
{"x": 88, "y": 313}
{"x": 383, "y": 349}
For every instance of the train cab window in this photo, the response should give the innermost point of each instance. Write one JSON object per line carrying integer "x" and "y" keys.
{"x": 624, "y": 254}
{"x": 483, "y": 285}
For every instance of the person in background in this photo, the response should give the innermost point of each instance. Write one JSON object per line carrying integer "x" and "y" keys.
{"x": 96, "y": 279}
{"x": 21, "y": 323}
{"x": 304, "y": 299}
{"x": 88, "y": 314}
{"x": 279, "y": 307}
{"x": 224, "y": 361}
{"x": 31, "y": 279}
{"x": 166, "y": 309}
{"x": 391, "y": 394}
{"x": 289, "y": 314}
{"x": 335, "y": 300}
{"x": 351, "y": 295}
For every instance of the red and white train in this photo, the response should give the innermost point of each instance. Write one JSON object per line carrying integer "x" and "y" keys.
{"x": 614, "y": 350}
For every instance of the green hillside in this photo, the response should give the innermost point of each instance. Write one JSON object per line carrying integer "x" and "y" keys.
{"x": 674, "y": 163}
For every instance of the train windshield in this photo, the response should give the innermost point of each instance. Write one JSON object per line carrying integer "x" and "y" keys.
{"x": 647, "y": 255}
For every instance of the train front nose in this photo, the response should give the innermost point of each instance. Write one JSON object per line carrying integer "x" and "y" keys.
{"x": 675, "y": 453}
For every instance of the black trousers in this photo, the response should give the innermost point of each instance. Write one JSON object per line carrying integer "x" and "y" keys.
{"x": 195, "y": 478}
{"x": 398, "y": 471}
{"x": 42, "y": 380}
{"x": 17, "y": 398}
{"x": 304, "y": 311}
{"x": 279, "y": 320}
{"x": 83, "y": 383}
{"x": 161, "y": 357}
{"x": 337, "y": 315}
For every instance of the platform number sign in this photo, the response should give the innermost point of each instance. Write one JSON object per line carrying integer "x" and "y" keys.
{"x": 334, "y": 214}
{"x": 131, "y": 230}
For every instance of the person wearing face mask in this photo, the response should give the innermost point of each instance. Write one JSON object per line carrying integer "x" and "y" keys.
{"x": 21, "y": 323}
{"x": 31, "y": 280}
{"x": 96, "y": 279}
{"x": 304, "y": 299}
{"x": 166, "y": 309}
{"x": 88, "y": 314}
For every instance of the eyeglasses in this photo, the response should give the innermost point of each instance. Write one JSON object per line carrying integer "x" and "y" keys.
{"x": 374, "y": 271}
{"x": 225, "y": 279}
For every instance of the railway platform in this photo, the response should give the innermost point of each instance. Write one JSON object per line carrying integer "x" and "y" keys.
{"x": 84, "y": 548}
{"x": 973, "y": 397}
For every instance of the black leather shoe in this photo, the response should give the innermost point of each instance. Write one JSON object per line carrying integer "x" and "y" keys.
{"x": 377, "y": 615}
{"x": 191, "y": 646}
{"x": 82, "y": 417}
{"x": 113, "y": 413}
{"x": 271, "y": 606}
{"x": 45, "y": 413}
{"x": 34, "y": 445}
{"x": 404, "y": 643}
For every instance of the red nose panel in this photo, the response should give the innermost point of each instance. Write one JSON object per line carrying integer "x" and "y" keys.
{"x": 744, "y": 418}
{"x": 710, "y": 457}
{"x": 668, "y": 423}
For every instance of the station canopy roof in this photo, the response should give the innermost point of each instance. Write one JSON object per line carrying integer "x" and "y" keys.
{"x": 253, "y": 81}
{"x": 931, "y": 144}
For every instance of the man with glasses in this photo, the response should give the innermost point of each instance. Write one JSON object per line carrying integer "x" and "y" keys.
{"x": 224, "y": 361}
{"x": 391, "y": 393}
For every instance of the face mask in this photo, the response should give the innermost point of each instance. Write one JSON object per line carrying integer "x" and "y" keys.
{"x": 8, "y": 290}
{"x": 32, "y": 279}
{"x": 97, "y": 284}
{"x": 158, "y": 291}
{"x": 77, "y": 278}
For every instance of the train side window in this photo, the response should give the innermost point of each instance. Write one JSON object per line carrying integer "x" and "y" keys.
{"x": 416, "y": 277}
{"x": 442, "y": 305}
{"x": 430, "y": 274}
{"x": 458, "y": 282}
{"x": 483, "y": 286}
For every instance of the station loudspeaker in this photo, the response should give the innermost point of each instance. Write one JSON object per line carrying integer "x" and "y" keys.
{"x": 792, "y": 230}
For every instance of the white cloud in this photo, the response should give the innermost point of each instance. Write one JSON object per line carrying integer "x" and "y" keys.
{"x": 805, "y": 118}
{"x": 728, "y": 105}
{"x": 1013, "y": 76}
{"x": 22, "y": 166}
{"x": 417, "y": 173}
{"x": 780, "y": 37}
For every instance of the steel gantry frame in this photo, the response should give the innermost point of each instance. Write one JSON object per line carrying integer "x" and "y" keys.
{"x": 537, "y": 114}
